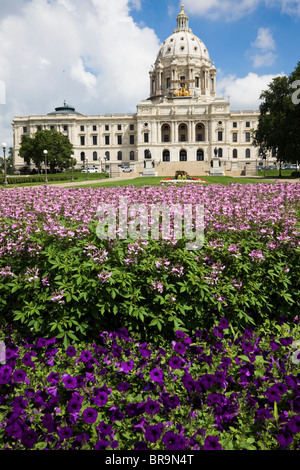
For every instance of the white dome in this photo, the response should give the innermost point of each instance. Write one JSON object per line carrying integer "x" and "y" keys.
{"x": 183, "y": 44}
{"x": 182, "y": 66}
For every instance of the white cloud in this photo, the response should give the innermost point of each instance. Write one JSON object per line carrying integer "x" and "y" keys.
{"x": 232, "y": 10}
{"x": 105, "y": 55}
{"x": 264, "y": 39}
{"x": 244, "y": 92}
{"x": 229, "y": 10}
{"x": 262, "y": 47}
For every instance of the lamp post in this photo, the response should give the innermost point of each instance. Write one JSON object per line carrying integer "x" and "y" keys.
{"x": 5, "y": 183}
{"x": 86, "y": 165}
{"x": 45, "y": 153}
{"x": 72, "y": 156}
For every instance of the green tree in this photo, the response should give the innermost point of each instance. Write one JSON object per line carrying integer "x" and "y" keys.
{"x": 278, "y": 127}
{"x": 9, "y": 162}
{"x": 58, "y": 146}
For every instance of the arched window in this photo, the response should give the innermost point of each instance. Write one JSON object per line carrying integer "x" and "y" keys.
{"x": 247, "y": 153}
{"x": 131, "y": 155}
{"x": 182, "y": 156}
{"x": 119, "y": 155}
{"x": 200, "y": 155}
{"x": 95, "y": 156}
{"x": 182, "y": 133}
{"x": 200, "y": 132}
{"x": 220, "y": 153}
{"x": 82, "y": 156}
{"x": 234, "y": 153}
{"x": 107, "y": 156}
{"x": 165, "y": 133}
{"x": 166, "y": 156}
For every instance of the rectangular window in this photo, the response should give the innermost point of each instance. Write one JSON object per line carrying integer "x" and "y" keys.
{"x": 107, "y": 140}
{"x": 220, "y": 136}
{"x": 82, "y": 128}
{"x": 39, "y": 128}
{"x": 146, "y": 137}
{"x": 247, "y": 136}
{"x": 24, "y": 130}
{"x": 119, "y": 140}
{"x": 234, "y": 124}
{"x": 119, "y": 127}
{"x": 65, "y": 128}
{"x": 82, "y": 140}
{"x": 247, "y": 124}
{"x": 95, "y": 140}
{"x": 168, "y": 82}
{"x": 94, "y": 128}
{"x": 197, "y": 82}
{"x": 131, "y": 127}
{"x": 234, "y": 137}
{"x": 131, "y": 139}
{"x": 106, "y": 127}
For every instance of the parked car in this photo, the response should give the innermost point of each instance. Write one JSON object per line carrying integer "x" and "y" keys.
{"x": 90, "y": 170}
{"x": 126, "y": 169}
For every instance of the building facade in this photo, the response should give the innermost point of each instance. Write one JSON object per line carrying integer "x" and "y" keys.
{"x": 183, "y": 123}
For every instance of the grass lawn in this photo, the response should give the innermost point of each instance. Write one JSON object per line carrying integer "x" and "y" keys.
{"x": 156, "y": 181}
{"x": 271, "y": 177}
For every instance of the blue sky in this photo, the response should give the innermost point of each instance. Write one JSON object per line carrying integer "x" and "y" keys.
{"x": 103, "y": 51}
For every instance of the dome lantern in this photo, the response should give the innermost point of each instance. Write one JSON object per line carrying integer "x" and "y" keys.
{"x": 182, "y": 21}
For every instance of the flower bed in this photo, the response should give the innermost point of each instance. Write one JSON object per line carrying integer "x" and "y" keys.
{"x": 207, "y": 390}
{"x": 183, "y": 180}
{"x": 228, "y": 378}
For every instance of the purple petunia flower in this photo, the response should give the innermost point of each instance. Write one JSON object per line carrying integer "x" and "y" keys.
{"x": 179, "y": 347}
{"x": 85, "y": 356}
{"x": 53, "y": 378}
{"x": 116, "y": 415}
{"x": 65, "y": 433}
{"x": 49, "y": 423}
{"x": 144, "y": 351}
{"x": 123, "y": 386}
{"x": 126, "y": 366}
{"x": 74, "y": 406}
{"x": 157, "y": 375}
{"x": 101, "y": 398}
{"x": 294, "y": 424}
{"x": 153, "y": 433}
{"x": 71, "y": 351}
{"x": 69, "y": 381}
{"x": 173, "y": 441}
{"x": 20, "y": 376}
{"x": 176, "y": 362}
{"x": 105, "y": 429}
{"x": 101, "y": 445}
{"x": 285, "y": 438}
{"x": 5, "y": 374}
{"x": 140, "y": 446}
{"x": 224, "y": 324}
{"x": 90, "y": 415}
{"x": 29, "y": 438}
{"x": 272, "y": 394}
{"x": 212, "y": 443}
{"x": 151, "y": 407}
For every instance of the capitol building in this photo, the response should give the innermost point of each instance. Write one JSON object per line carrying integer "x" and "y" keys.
{"x": 182, "y": 125}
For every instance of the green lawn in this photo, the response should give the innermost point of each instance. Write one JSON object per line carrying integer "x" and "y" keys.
{"x": 270, "y": 177}
{"x": 155, "y": 181}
